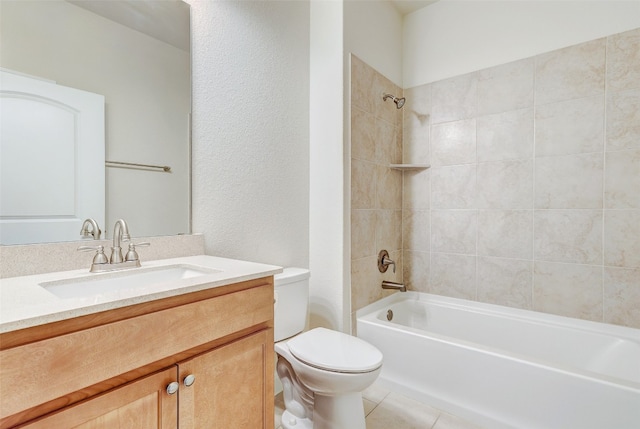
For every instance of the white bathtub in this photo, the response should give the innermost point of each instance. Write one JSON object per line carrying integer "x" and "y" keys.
{"x": 506, "y": 368}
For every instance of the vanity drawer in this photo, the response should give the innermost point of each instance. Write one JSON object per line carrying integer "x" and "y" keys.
{"x": 39, "y": 372}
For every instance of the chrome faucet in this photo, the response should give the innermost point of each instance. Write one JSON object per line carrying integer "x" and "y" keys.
{"x": 95, "y": 229}
{"x": 393, "y": 285}
{"x": 116, "y": 262}
{"x": 120, "y": 233}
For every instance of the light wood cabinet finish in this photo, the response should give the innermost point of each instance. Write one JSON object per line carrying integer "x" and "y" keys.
{"x": 53, "y": 372}
{"x": 229, "y": 381}
{"x": 143, "y": 404}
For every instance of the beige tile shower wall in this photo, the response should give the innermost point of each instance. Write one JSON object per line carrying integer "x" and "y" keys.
{"x": 533, "y": 198}
{"x": 376, "y": 190}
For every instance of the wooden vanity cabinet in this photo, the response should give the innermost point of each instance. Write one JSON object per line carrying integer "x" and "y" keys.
{"x": 142, "y": 404}
{"x": 226, "y": 391}
{"x": 228, "y": 387}
{"x": 216, "y": 346}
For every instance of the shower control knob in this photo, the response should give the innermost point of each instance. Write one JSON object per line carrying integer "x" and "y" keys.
{"x": 189, "y": 380}
{"x": 172, "y": 387}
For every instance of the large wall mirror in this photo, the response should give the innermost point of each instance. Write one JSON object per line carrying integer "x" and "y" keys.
{"x": 132, "y": 59}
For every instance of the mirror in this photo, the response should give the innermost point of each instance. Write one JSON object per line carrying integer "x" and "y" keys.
{"x": 136, "y": 55}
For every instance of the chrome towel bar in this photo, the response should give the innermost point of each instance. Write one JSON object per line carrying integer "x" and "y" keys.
{"x": 134, "y": 166}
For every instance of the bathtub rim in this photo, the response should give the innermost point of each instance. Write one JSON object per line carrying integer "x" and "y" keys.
{"x": 369, "y": 314}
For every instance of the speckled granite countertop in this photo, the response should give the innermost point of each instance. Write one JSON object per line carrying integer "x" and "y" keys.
{"x": 25, "y": 303}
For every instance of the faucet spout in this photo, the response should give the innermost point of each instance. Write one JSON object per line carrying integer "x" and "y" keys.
{"x": 116, "y": 262}
{"x": 95, "y": 229}
{"x": 120, "y": 233}
{"x": 393, "y": 285}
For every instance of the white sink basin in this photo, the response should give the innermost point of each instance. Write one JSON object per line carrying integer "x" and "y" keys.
{"x": 137, "y": 278}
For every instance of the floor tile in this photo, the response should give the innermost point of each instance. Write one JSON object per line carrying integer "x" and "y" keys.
{"x": 399, "y": 412}
{"x": 375, "y": 393}
{"x": 368, "y": 406}
{"x": 447, "y": 421}
{"x": 389, "y": 410}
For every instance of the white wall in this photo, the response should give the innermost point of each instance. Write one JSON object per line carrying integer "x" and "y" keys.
{"x": 327, "y": 194}
{"x": 251, "y": 129}
{"x": 373, "y": 32}
{"x": 454, "y": 37}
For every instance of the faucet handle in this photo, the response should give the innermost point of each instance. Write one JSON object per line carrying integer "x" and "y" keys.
{"x": 384, "y": 261}
{"x": 99, "y": 258}
{"x": 132, "y": 255}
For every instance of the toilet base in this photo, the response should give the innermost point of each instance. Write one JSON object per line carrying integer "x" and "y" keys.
{"x": 330, "y": 412}
{"x": 338, "y": 412}
{"x": 289, "y": 421}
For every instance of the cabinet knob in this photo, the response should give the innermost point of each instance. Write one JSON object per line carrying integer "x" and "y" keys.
{"x": 189, "y": 380}
{"x": 172, "y": 388}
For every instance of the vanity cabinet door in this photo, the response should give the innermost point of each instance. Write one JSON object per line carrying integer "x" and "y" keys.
{"x": 142, "y": 404}
{"x": 232, "y": 386}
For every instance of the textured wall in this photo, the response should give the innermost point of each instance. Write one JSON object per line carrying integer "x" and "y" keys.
{"x": 251, "y": 129}
{"x": 533, "y": 198}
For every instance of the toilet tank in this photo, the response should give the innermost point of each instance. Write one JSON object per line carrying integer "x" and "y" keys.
{"x": 291, "y": 302}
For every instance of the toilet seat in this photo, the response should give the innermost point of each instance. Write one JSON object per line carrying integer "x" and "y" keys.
{"x": 335, "y": 351}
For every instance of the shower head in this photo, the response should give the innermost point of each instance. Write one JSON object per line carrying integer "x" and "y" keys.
{"x": 399, "y": 101}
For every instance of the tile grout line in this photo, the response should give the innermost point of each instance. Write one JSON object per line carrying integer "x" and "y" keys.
{"x": 604, "y": 174}
{"x": 533, "y": 190}
{"x": 437, "y": 420}
{"x": 475, "y": 194}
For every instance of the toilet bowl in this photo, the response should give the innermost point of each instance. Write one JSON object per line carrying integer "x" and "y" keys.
{"x": 323, "y": 372}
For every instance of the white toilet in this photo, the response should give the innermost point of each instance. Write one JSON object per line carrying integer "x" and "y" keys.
{"x": 323, "y": 372}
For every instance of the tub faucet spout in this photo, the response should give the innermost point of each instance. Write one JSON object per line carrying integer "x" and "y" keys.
{"x": 393, "y": 285}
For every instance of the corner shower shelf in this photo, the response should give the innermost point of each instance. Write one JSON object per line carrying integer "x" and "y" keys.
{"x": 409, "y": 167}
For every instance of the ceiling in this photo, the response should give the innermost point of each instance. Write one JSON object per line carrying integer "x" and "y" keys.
{"x": 164, "y": 20}
{"x": 408, "y": 6}
{"x": 157, "y": 18}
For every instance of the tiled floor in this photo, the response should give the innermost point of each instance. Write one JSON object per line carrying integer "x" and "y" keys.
{"x": 389, "y": 410}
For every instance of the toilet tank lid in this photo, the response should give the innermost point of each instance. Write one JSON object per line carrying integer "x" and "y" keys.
{"x": 290, "y": 275}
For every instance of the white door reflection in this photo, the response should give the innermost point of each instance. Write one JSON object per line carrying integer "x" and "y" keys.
{"x": 52, "y": 157}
